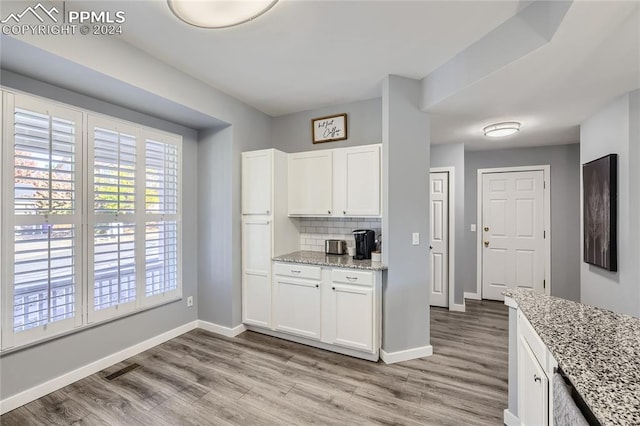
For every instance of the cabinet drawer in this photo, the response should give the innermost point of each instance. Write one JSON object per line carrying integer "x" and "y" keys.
{"x": 298, "y": 271}
{"x": 350, "y": 276}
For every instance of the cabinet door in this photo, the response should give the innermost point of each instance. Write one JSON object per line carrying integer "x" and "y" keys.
{"x": 257, "y": 175}
{"x": 256, "y": 272}
{"x": 297, "y": 307}
{"x": 310, "y": 183}
{"x": 362, "y": 175}
{"x": 532, "y": 387}
{"x": 353, "y": 310}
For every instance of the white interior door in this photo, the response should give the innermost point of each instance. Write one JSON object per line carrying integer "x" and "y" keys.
{"x": 512, "y": 232}
{"x": 439, "y": 247}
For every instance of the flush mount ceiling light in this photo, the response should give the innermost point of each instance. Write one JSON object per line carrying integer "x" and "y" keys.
{"x": 499, "y": 130}
{"x": 219, "y": 13}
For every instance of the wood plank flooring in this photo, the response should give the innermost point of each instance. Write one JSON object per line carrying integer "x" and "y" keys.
{"x": 201, "y": 378}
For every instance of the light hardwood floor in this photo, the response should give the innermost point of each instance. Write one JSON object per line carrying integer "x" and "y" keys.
{"x": 253, "y": 379}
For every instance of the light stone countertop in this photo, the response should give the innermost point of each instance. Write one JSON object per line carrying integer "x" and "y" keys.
{"x": 598, "y": 350}
{"x": 322, "y": 259}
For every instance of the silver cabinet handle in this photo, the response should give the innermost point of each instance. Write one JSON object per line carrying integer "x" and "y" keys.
{"x": 352, "y": 278}
{"x": 295, "y": 272}
{"x": 536, "y": 378}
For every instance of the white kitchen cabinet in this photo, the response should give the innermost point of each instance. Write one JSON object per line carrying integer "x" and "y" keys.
{"x": 353, "y": 309}
{"x": 342, "y": 182}
{"x": 337, "y": 309}
{"x": 267, "y": 230}
{"x": 256, "y": 265}
{"x": 357, "y": 181}
{"x": 533, "y": 388}
{"x": 310, "y": 183}
{"x": 533, "y": 378}
{"x": 257, "y": 182}
{"x": 353, "y": 316}
{"x": 297, "y": 306}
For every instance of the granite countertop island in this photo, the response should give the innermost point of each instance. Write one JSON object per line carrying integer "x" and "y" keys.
{"x": 334, "y": 260}
{"x": 598, "y": 350}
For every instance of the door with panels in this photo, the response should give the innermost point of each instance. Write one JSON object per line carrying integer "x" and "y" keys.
{"x": 512, "y": 232}
{"x": 439, "y": 247}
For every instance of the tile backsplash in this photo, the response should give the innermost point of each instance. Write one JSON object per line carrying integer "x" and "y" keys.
{"x": 313, "y": 231}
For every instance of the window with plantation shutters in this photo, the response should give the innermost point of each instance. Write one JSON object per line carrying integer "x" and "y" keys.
{"x": 161, "y": 216}
{"x": 91, "y": 219}
{"x": 41, "y": 237}
{"x": 113, "y": 161}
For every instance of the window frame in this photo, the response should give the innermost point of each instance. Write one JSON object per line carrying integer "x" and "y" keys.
{"x": 84, "y": 219}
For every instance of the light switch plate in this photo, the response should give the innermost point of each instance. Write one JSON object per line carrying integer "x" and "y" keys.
{"x": 415, "y": 238}
{"x": 473, "y": 227}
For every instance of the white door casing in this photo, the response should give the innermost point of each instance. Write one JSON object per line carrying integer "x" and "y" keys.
{"x": 439, "y": 247}
{"x": 512, "y": 230}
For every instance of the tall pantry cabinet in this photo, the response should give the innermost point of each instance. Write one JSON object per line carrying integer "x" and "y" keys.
{"x": 266, "y": 230}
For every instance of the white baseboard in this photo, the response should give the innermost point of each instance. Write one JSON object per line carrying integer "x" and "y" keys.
{"x": 219, "y": 329}
{"x": 52, "y": 385}
{"x": 472, "y": 296}
{"x": 457, "y": 308}
{"x": 406, "y": 355}
{"x": 510, "y": 419}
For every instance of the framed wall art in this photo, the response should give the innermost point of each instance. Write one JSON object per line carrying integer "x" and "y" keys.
{"x": 600, "y": 201}
{"x": 330, "y": 128}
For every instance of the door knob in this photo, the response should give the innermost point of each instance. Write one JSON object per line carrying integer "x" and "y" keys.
{"x": 486, "y": 229}
{"x": 486, "y": 243}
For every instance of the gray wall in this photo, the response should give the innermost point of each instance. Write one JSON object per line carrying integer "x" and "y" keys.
{"x": 29, "y": 367}
{"x": 405, "y": 144}
{"x": 615, "y": 129}
{"x": 292, "y": 132}
{"x": 565, "y": 209}
{"x": 453, "y": 156}
{"x": 79, "y": 63}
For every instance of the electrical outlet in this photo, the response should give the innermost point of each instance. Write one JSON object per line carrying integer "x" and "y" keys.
{"x": 189, "y": 301}
{"x": 415, "y": 238}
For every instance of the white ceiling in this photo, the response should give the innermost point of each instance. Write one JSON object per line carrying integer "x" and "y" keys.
{"x": 307, "y": 54}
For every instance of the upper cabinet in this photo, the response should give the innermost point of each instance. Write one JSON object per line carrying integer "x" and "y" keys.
{"x": 310, "y": 183}
{"x": 359, "y": 192}
{"x": 343, "y": 182}
{"x": 257, "y": 175}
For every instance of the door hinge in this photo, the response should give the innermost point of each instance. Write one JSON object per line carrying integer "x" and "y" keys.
{"x": 544, "y": 184}
{"x": 544, "y": 284}
{"x": 544, "y": 234}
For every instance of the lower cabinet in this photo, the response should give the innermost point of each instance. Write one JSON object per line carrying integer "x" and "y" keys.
{"x": 533, "y": 387}
{"x": 297, "y": 306}
{"x": 338, "y": 309}
{"x": 535, "y": 366}
{"x": 256, "y": 271}
{"x": 353, "y": 316}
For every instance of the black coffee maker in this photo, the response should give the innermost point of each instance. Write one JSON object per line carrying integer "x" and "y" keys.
{"x": 365, "y": 243}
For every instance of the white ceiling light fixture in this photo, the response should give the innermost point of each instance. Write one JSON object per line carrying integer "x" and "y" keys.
{"x": 219, "y": 13}
{"x": 498, "y": 130}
